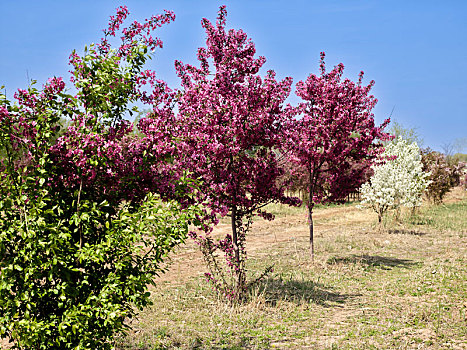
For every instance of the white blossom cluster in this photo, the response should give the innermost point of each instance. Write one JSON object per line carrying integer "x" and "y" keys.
{"x": 397, "y": 182}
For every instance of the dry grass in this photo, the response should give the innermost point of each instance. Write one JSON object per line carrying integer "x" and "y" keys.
{"x": 405, "y": 288}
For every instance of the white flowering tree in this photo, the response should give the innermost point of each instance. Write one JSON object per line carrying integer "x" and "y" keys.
{"x": 400, "y": 181}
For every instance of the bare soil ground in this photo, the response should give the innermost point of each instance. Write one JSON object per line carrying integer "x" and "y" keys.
{"x": 187, "y": 261}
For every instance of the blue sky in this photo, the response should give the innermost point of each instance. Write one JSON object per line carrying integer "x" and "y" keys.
{"x": 416, "y": 51}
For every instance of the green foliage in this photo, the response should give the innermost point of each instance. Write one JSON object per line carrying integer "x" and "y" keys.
{"x": 69, "y": 281}
{"x": 408, "y": 134}
{"x": 72, "y": 269}
{"x": 96, "y": 80}
{"x": 74, "y": 265}
{"x": 460, "y": 157}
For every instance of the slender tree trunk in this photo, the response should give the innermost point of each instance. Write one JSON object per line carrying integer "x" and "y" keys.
{"x": 234, "y": 235}
{"x": 310, "y": 222}
{"x": 380, "y": 222}
{"x": 238, "y": 267}
{"x": 310, "y": 214}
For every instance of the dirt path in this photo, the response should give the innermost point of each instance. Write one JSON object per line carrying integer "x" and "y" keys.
{"x": 188, "y": 262}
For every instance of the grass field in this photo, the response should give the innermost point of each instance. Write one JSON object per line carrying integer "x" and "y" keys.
{"x": 401, "y": 288}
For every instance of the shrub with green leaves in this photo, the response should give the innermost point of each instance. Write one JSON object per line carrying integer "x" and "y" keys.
{"x": 87, "y": 213}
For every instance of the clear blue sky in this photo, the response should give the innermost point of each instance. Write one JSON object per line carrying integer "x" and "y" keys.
{"x": 415, "y": 50}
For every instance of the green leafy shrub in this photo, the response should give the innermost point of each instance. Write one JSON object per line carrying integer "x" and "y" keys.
{"x": 87, "y": 213}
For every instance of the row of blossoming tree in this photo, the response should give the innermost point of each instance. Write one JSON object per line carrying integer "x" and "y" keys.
{"x": 88, "y": 213}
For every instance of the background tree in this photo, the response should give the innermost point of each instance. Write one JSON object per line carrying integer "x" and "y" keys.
{"x": 448, "y": 151}
{"x": 408, "y": 134}
{"x": 398, "y": 181}
{"x": 445, "y": 174}
{"x": 229, "y": 125}
{"x": 335, "y": 133}
{"x": 463, "y": 179}
{"x": 459, "y": 146}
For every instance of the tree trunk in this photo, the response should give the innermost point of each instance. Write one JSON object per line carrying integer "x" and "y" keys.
{"x": 310, "y": 222}
{"x": 310, "y": 214}
{"x": 234, "y": 236}
{"x": 380, "y": 222}
{"x": 238, "y": 268}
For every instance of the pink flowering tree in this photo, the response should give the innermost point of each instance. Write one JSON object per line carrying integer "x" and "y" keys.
{"x": 230, "y": 125}
{"x": 334, "y": 141}
{"x": 82, "y": 227}
{"x": 109, "y": 80}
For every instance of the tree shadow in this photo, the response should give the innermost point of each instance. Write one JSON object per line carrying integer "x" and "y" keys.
{"x": 385, "y": 263}
{"x": 245, "y": 342}
{"x": 405, "y": 231}
{"x": 299, "y": 292}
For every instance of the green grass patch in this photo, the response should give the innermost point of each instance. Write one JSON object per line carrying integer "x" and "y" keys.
{"x": 451, "y": 216}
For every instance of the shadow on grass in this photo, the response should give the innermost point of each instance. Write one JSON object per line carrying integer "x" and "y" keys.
{"x": 171, "y": 340}
{"x": 195, "y": 344}
{"x": 405, "y": 231}
{"x": 386, "y": 263}
{"x": 271, "y": 290}
{"x": 299, "y": 292}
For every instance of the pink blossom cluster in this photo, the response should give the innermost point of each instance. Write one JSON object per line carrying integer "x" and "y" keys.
{"x": 99, "y": 152}
{"x": 136, "y": 33}
{"x": 33, "y": 110}
{"x": 232, "y": 121}
{"x": 333, "y": 144}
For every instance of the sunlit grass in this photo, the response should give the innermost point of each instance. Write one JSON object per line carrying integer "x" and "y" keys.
{"x": 403, "y": 288}
{"x": 450, "y": 216}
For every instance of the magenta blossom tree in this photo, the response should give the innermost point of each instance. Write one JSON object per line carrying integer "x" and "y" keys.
{"x": 333, "y": 143}
{"x": 109, "y": 81}
{"x": 230, "y": 125}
